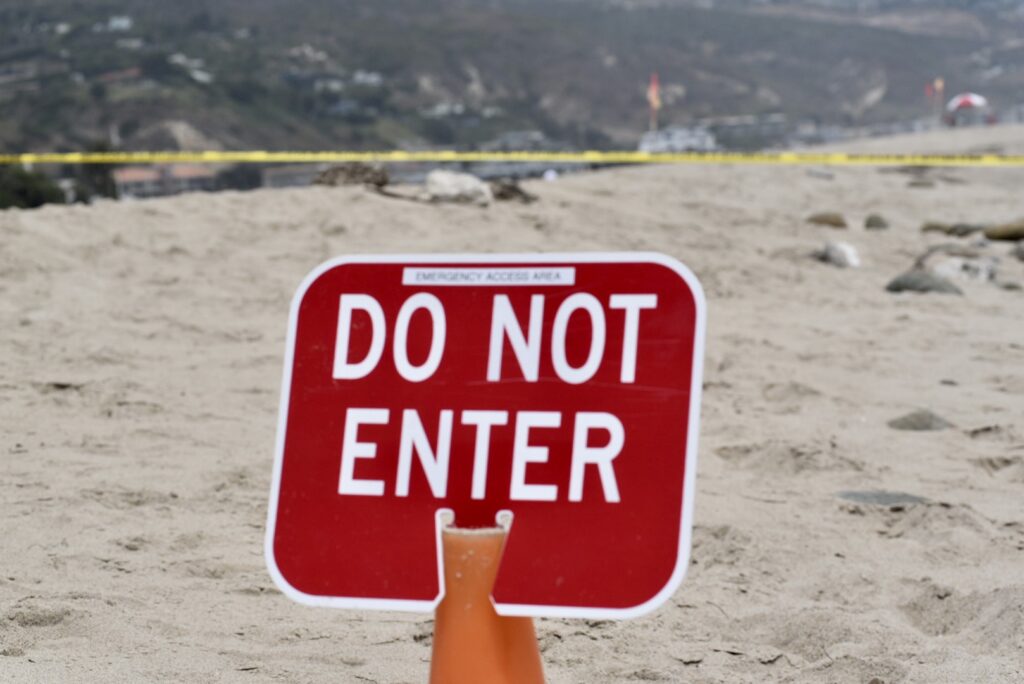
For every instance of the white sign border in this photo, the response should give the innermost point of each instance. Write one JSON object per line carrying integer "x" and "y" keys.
{"x": 507, "y": 609}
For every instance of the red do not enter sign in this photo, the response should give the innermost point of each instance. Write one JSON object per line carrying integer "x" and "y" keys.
{"x": 561, "y": 391}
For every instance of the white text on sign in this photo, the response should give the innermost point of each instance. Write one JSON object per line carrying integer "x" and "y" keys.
{"x": 527, "y": 344}
{"x": 435, "y": 459}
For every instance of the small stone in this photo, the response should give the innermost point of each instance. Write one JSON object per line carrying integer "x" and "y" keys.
{"x": 449, "y": 186}
{"x": 921, "y": 280}
{"x": 1006, "y": 231}
{"x": 841, "y": 254}
{"x": 936, "y": 227}
{"x": 1018, "y": 251}
{"x": 507, "y": 190}
{"x": 954, "y": 229}
{"x": 766, "y": 655}
{"x": 965, "y": 229}
{"x": 831, "y": 219}
{"x": 920, "y": 421}
{"x": 876, "y": 222}
{"x": 132, "y": 544}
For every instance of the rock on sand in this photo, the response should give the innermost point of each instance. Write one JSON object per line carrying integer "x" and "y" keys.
{"x": 922, "y": 420}
{"x": 954, "y": 229}
{"x": 876, "y": 222}
{"x": 841, "y": 254}
{"x": 449, "y": 186}
{"x": 922, "y": 280}
{"x": 832, "y": 219}
{"x": 1006, "y": 231}
{"x": 508, "y": 190}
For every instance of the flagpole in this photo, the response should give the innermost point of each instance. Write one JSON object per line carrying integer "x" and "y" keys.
{"x": 654, "y": 100}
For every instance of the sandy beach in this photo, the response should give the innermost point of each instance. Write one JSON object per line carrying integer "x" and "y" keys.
{"x": 140, "y": 367}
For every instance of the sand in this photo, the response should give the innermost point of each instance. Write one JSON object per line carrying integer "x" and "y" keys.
{"x": 140, "y": 364}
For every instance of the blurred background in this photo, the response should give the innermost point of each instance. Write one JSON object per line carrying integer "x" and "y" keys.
{"x": 655, "y": 75}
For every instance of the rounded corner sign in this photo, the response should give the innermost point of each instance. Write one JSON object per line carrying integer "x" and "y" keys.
{"x": 559, "y": 390}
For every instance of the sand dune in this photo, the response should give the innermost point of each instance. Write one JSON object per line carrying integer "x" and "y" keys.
{"x": 139, "y": 379}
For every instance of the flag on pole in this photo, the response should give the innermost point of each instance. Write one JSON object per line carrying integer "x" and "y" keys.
{"x": 938, "y": 89}
{"x": 654, "y": 93}
{"x": 654, "y": 99}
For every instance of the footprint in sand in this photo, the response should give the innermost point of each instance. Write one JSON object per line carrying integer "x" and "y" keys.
{"x": 1009, "y": 468}
{"x": 788, "y": 397}
{"x": 787, "y": 458}
{"x": 940, "y": 526}
{"x": 37, "y": 616}
{"x": 978, "y": 617}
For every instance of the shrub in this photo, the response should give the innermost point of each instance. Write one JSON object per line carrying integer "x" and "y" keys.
{"x": 27, "y": 189}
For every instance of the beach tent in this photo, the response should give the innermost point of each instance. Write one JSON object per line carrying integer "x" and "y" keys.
{"x": 966, "y": 101}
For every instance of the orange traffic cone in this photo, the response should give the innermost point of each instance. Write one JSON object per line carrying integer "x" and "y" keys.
{"x": 472, "y": 643}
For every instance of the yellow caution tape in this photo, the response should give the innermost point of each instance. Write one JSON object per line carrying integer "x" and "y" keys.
{"x": 586, "y": 157}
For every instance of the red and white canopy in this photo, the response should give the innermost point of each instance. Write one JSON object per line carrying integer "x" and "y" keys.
{"x": 967, "y": 101}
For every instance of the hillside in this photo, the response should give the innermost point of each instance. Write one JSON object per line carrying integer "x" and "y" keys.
{"x": 333, "y": 73}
